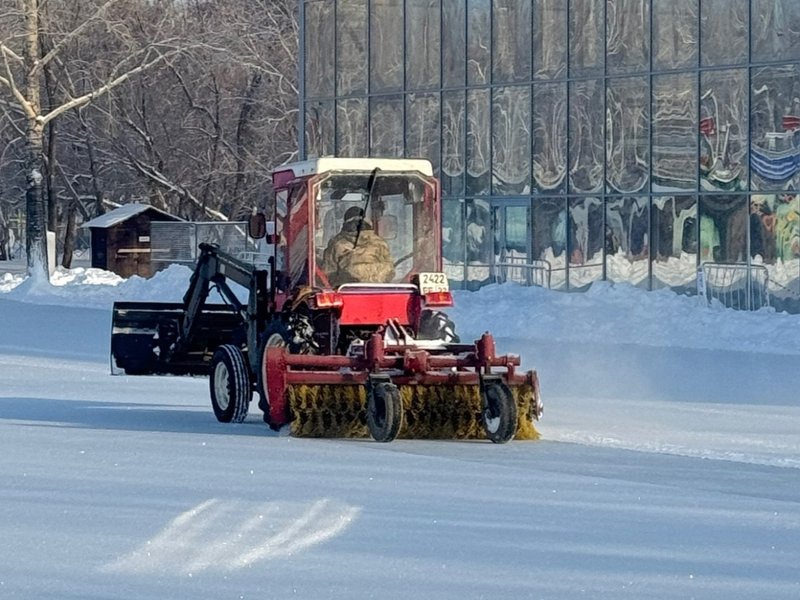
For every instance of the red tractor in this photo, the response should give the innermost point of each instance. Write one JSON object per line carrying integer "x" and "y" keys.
{"x": 342, "y": 333}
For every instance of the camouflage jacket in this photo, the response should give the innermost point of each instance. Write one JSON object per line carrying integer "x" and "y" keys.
{"x": 366, "y": 261}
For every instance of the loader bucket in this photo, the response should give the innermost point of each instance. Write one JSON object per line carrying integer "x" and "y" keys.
{"x": 144, "y": 335}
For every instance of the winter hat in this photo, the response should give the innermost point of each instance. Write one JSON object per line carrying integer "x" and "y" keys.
{"x": 354, "y": 212}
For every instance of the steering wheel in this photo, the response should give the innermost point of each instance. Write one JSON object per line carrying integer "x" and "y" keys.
{"x": 403, "y": 259}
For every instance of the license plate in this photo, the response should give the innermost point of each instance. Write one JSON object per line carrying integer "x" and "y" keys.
{"x": 433, "y": 282}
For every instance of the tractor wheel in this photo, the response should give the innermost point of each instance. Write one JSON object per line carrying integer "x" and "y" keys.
{"x": 230, "y": 385}
{"x": 436, "y": 325}
{"x": 384, "y": 412}
{"x": 277, "y": 335}
{"x": 499, "y": 412}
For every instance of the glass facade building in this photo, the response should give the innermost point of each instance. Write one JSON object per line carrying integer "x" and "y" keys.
{"x": 625, "y": 140}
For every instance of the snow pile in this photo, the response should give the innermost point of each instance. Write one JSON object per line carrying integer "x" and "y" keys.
{"x": 623, "y": 314}
{"x": 96, "y": 288}
{"x": 618, "y": 313}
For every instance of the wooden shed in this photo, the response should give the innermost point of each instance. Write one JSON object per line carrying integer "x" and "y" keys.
{"x": 120, "y": 239}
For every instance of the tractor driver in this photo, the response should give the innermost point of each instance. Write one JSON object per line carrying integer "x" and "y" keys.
{"x": 357, "y": 254}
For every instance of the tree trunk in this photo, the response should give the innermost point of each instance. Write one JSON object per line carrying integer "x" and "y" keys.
{"x": 35, "y": 233}
{"x": 69, "y": 237}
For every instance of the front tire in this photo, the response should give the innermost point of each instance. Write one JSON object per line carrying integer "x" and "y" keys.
{"x": 277, "y": 335}
{"x": 230, "y": 386}
{"x": 384, "y": 412}
{"x": 499, "y": 412}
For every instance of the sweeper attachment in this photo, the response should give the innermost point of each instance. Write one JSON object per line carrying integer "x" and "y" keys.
{"x": 342, "y": 334}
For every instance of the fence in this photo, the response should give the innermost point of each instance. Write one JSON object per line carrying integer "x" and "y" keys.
{"x": 177, "y": 242}
{"x": 518, "y": 270}
{"x": 743, "y": 287}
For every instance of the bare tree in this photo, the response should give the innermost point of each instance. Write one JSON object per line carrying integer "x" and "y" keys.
{"x": 193, "y": 128}
{"x": 23, "y": 72}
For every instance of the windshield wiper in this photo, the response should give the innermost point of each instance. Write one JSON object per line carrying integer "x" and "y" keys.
{"x": 370, "y": 187}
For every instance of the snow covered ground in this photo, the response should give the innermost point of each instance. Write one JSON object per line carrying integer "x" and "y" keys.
{"x": 669, "y": 465}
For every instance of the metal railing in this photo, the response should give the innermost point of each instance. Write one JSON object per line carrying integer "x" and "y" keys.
{"x": 738, "y": 286}
{"x": 177, "y": 242}
{"x": 523, "y": 272}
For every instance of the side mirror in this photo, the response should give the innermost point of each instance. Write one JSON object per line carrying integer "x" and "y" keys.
{"x": 257, "y": 226}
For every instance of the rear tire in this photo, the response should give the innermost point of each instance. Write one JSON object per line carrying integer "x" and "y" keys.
{"x": 229, "y": 384}
{"x": 384, "y": 412}
{"x": 499, "y": 412}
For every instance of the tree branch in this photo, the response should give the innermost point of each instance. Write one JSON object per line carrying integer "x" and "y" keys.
{"x": 107, "y": 87}
{"x": 69, "y": 37}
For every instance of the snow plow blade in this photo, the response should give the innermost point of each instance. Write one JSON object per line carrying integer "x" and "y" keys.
{"x": 466, "y": 392}
{"x": 144, "y": 338}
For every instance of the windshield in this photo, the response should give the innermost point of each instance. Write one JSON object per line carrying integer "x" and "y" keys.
{"x": 377, "y": 235}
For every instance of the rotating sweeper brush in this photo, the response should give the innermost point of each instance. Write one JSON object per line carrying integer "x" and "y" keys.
{"x": 341, "y": 335}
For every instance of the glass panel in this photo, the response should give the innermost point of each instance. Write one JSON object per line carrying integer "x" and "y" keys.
{"x": 775, "y": 122}
{"x": 478, "y": 159}
{"x": 453, "y": 242}
{"x": 422, "y": 44}
{"x": 423, "y": 127}
{"x": 585, "y": 241}
{"x": 763, "y": 241}
{"x": 674, "y": 244}
{"x": 297, "y": 237}
{"x": 319, "y": 129}
{"x": 453, "y": 142}
{"x": 516, "y": 230}
{"x": 549, "y": 38}
{"x": 776, "y": 30}
{"x": 319, "y": 39}
{"x": 587, "y": 37}
{"x": 352, "y": 135}
{"x": 775, "y": 228}
{"x": 723, "y": 228}
{"x": 386, "y": 46}
{"x": 386, "y": 126}
{"x": 511, "y": 20}
{"x": 550, "y": 137}
{"x": 627, "y": 241}
{"x": 674, "y": 33}
{"x": 586, "y": 136}
{"x": 511, "y": 140}
{"x": 512, "y": 262}
{"x": 549, "y": 222}
{"x": 627, "y": 35}
{"x": 478, "y": 34}
{"x": 724, "y": 32}
{"x": 454, "y": 43}
{"x": 628, "y": 134}
{"x": 394, "y": 238}
{"x": 674, "y": 132}
{"x": 351, "y": 47}
{"x": 723, "y": 130}
{"x": 479, "y": 242}
{"x": 775, "y": 242}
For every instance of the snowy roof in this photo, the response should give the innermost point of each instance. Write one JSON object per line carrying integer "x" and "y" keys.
{"x": 335, "y": 163}
{"x": 124, "y": 212}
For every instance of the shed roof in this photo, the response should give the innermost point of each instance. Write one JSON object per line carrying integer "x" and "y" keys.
{"x": 123, "y": 213}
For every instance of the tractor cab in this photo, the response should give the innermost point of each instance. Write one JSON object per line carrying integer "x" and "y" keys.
{"x": 360, "y": 235}
{"x": 398, "y": 204}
